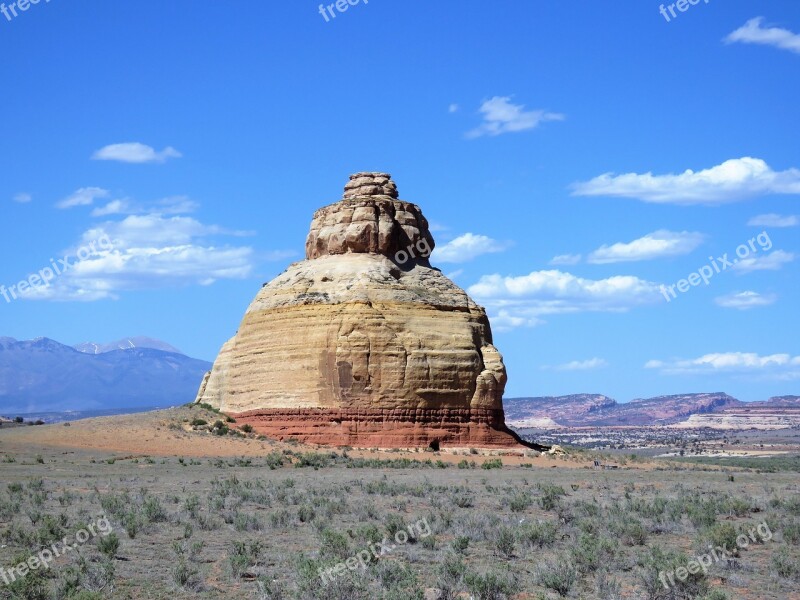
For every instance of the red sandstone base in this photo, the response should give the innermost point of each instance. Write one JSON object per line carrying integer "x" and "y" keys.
{"x": 388, "y": 428}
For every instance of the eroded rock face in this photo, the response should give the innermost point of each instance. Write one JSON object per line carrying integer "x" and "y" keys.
{"x": 368, "y": 220}
{"x": 354, "y": 346}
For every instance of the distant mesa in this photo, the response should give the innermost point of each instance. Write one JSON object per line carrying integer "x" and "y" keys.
{"x": 714, "y": 410}
{"x": 363, "y": 343}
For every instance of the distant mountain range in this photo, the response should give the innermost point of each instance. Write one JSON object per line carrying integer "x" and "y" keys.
{"x": 43, "y": 375}
{"x": 596, "y": 410}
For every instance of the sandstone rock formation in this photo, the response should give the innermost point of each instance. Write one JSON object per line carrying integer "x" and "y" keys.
{"x": 364, "y": 343}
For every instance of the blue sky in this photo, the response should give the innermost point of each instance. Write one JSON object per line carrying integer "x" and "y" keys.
{"x": 548, "y": 142}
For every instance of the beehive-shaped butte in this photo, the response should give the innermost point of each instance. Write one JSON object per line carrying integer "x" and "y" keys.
{"x": 364, "y": 344}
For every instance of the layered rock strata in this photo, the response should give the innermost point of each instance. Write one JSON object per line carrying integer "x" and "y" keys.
{"x": 364, "y": 343}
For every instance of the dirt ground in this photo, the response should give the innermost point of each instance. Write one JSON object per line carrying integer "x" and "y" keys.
{"x": 192, "y": 514}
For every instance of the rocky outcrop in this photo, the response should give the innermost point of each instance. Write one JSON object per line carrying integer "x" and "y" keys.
{"x": 364, "y": 343}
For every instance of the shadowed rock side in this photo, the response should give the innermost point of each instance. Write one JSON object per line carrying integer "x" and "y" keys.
{"x": 351, "y": 347}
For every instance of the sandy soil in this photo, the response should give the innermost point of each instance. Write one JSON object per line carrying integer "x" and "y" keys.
{"x": 166, "y": 433}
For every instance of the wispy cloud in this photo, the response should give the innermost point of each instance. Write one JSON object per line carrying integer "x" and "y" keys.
{"x": 134, "y": 152}
{"x": 578, "y": 365}
{"x": 172, "y": 205}
{"x": 659, "y": 244}
{"x": 22, "y": 198}
{"x": 115, "y": 207}
{"x": 732, "y": 181}
{"x": 465, "y": 248}
{"x": 506, "y": 320}
{"x": 565, "y": 260}
{"x": 777, "y": 366}
{"x": 175, "y": 205}
{"x": 752, "y": 32}
{"x": 773, "y": 220}
{"x": 745, "y": 300}
{"x": 500, "y": 116}
{"x": 453, "y": 108}
{"x": 523, "y": 300}
{"x": 83, "y": 197}
{"x": 764, "y": 262}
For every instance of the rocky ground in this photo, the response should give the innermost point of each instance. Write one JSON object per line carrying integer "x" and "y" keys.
{"x": 200, "y": 512}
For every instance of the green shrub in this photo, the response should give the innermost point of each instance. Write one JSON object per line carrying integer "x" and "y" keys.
{"x": 664, "y": 563}
{"x": 460, "y": 543}
{"x": 505, "y": 541}
{"x": 152, "y": 510}
{"x": 32, "y": 586}
{"x": 559, "y": 575}
{"x": 109, "y": 545}
{"x": 551, "y": 496}
{"x": 629, "y": 531}
{"x": 492, "y": 585}
{"x": 243, "y": 555}
{"x": 492, "y": 463}
{"x": 334, "y": 545}
{"x": 463, "y": 500}
{"x": 702, "y": 514}
{"x": 593, "y": 551}
{"x": 450, "y": 576}
{"x": 305, "y": 514}
{"x": 130, "y": 522}
{"x": 723, "y": 535}
{"x": 538, "y": 534}
{"x": 520, "y": 502}
{"x": 786, "y": 565}
{"x": 791, "y": 532}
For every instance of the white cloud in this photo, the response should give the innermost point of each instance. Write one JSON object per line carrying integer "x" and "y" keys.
{"x": 22, "y": 198}
{"x": 745, "y": 300}
{"x": 134, "y": 152}
{"x": 452, "y": 108}
{"x": 732, "y": 181}
{"x": 578, "y": 365}
{"x": 465, "y": 248}
{"x": 505, "y": 320}
{"x": 149, "y": 252}
{"x": 172, "y": 205}
{"x": 523, "y": 300}
{"x": 176, "y": 205}
{"x": 659, "y": 244}
{"x": 753, "y": 33}
{"x": 500, "y": 116}
{"x": 763, "y": 262}
{"x": 566, "y": 260}
{"x": 773, "y": 220}
{"x": 83, "y": 197}
{"x": 778, "y": 366}
{"x": 455, "y": 274}
{"x": 115, "y": 207}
